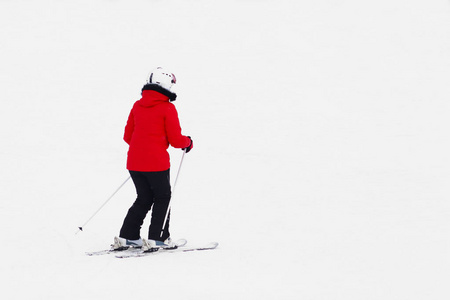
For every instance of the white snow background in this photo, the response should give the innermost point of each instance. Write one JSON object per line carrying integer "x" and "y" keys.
{"x": 321, "y": 147}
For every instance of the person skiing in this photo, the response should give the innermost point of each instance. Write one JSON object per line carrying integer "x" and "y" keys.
{"x": 152, "y": 126}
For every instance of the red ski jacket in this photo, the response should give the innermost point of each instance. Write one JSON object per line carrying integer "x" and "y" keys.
{"x": 152, "y": 126}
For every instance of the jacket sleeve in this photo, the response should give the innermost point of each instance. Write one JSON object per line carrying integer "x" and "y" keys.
{"x": 173, "y": 129}
{"x": 129, "y": 128}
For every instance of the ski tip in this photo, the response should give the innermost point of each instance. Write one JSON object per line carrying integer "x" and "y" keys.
{"x": 181, "y": 242}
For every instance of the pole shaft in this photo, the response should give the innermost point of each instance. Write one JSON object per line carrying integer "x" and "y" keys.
{"x": 81, "y": 228}
{"x": 173, "y": 191}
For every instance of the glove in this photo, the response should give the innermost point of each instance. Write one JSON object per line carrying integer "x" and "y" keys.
{"x": 191, "y": 145}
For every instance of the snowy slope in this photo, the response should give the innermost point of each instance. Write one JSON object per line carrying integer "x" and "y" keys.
{"x": 320, "y": 160}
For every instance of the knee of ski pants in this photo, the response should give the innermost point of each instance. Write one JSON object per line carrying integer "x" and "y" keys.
{"x": 144, "y": 204}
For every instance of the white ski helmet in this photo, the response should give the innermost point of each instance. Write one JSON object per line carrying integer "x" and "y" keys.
{"x": 162, "y": 77}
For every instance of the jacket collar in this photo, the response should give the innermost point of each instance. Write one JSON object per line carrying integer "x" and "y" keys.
{"x": 159, "y": 89}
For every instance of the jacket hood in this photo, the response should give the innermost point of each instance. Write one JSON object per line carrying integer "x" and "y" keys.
{"x": 153, "y": 94}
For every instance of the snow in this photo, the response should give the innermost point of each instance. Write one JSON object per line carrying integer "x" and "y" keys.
{"x": 320, "y": 160}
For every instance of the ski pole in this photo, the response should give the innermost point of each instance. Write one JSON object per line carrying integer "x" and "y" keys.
{"x": 81, "y": 227}
{"x": 173, "y": 191}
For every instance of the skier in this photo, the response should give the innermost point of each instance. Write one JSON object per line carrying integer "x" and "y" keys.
{"x": 152, "y": 126}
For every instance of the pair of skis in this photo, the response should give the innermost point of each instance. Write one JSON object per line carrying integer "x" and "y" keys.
{"x": 137, "y": 252}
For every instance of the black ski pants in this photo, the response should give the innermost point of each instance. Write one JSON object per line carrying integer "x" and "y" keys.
{"x": 153, "y": 193}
